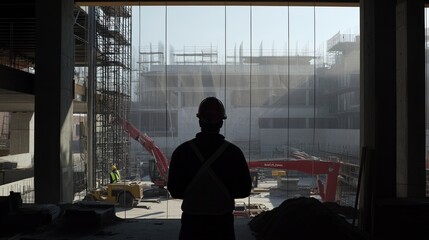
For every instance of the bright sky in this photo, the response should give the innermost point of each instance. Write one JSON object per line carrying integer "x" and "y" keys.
{"x": 301, "y": 28}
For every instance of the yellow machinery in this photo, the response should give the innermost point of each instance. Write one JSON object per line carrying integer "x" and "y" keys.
{"x": 126, "y": 194}
{"x": 278, "y": 173}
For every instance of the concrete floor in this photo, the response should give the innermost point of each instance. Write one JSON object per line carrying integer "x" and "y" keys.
{"x": 149, "y": 220}
{"x": 142, "y": 229}
{"x": 165, "y": 229}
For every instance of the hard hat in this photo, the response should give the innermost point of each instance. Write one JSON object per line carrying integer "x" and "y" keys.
{"x": 211, "y": 110}
{"x": 113, "y": 167}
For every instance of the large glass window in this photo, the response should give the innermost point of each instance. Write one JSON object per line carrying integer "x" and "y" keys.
{"x": 289, "y": 79}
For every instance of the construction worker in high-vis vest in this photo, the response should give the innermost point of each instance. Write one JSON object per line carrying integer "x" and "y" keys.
{"x": 114, "y": 174}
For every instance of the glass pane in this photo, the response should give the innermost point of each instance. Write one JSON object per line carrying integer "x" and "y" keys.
{"x": 301, "y": 102}
{"x": 337, "y": 95}
{"x": 196, "y": 43}
{"x": 269, "y": 101}
{"x": 150, "y": 115}
{"x": 427, "y": 99}
{"x": 237, "y": 100}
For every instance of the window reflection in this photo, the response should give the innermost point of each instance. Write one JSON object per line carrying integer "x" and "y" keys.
{"x": 289, "y": 79}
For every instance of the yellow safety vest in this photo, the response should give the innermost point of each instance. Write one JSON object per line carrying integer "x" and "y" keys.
{"x": 114, "y": 176}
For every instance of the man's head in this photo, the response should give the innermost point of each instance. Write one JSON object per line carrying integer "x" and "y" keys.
{"x": 113, "y": 167}
{"x": 211, "y": 113}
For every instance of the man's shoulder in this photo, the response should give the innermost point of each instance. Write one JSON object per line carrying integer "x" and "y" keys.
{"x": 182, "y": 146}
{"x": 233, "y": 146}
{"x": 186, "y": 143}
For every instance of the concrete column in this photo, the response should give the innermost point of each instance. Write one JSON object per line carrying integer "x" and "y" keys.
{"x": 53, "y": 166}
{"x": 393, "y": 119}
{"x": 378, "y": 105}
{"x": 21, "y": 132}
{"x": 410, "y": 41}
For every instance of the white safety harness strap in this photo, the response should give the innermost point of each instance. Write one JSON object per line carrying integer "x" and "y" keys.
{"x": 205, "y": 168}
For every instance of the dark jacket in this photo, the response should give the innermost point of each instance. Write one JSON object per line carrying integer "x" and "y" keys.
{"x": 231, "y": 167}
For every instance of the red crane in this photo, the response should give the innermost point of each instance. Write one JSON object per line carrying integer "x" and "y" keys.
{"x": 148, "y": 143}
{"x": 314, "y": 167}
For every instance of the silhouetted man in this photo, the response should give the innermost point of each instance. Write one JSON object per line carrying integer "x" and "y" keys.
{"x": 208, "y": 173}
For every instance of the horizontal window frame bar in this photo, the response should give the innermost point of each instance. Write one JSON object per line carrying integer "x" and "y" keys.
{"x": 337, "y": 3}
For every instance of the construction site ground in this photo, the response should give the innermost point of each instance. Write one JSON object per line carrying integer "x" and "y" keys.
{"x": 151, "y": 219}
{"x": 158, "y": 218}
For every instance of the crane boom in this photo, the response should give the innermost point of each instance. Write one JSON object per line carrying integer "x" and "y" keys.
{"x": 149, "y": 145}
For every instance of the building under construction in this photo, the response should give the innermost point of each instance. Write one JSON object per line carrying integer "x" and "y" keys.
{"x": 102, "y": 71}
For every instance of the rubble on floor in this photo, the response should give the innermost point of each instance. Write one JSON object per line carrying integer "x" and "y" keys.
{"x": 19, "y": 218}
{"x": 304, "y": 218}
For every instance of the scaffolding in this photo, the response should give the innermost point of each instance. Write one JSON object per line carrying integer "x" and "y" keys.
{"x": 196, "y": 55}
{"x": 4, "y": 132}
{"x": 112, "y": 90}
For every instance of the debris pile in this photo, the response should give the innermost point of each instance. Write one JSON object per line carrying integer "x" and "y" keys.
{"x": 81, "y": 217}
{"x": 18, "y": 217}
{"x": 303, "y": 218}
